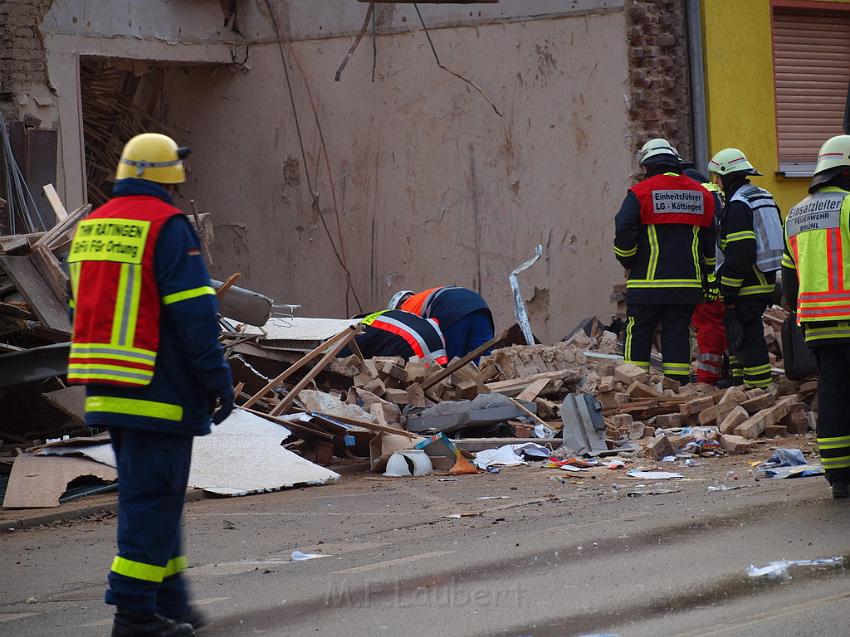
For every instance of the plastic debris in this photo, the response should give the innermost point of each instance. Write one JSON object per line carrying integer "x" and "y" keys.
{"x": 798, "y": 471}
{"x": 654, "y": 475}
{"x": 299, "y": 556}
{"x": 780, "y": 569}
{"x": 725, "y": 487}
{"x": 785, "y": 458}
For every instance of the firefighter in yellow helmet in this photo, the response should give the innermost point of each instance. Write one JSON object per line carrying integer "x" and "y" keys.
{"x": 145, "y": 345}
{"x": 816, "y": 283}
{"x": 750, "y": 240}
{"x": 664, "y": 237}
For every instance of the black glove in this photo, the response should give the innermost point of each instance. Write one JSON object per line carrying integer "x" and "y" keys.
{"x": 734, "y": 330}
{"x": 225, "y": 406}
{"x": 710, "y": 288}
{"x": 220, "y": 389}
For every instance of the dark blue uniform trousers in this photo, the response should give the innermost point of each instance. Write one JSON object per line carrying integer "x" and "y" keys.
{"x": 153, "y": 471}
{"x": 467, "y": 333}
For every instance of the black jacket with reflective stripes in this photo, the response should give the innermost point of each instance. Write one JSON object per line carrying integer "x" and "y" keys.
{"x": 667, "y": 262}
{"x": 738, "y": 275}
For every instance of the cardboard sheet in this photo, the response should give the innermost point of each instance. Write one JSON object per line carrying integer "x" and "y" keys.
{"x": 299, "y": 334}
{"x": 242, "y": 455}
{"x": 39, "y": 481}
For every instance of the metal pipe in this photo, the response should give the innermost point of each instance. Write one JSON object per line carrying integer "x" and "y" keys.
{"x": 697, "y": 73}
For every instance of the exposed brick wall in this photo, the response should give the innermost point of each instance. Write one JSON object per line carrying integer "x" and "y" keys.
{"x": 656, "y": 31}
{"x": 23, "y": 62}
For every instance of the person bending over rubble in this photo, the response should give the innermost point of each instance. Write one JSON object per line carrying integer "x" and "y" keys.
{"x": 463, "y": 315}
{"x": 399, "y": 333}
{"x": 145, "y": 345}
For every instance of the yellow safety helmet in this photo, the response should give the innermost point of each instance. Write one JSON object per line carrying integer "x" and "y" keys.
{"x": 153, "y": 157}
{"x": 731, "y": 160}
{"x": 659, "y": 151}
{"x": 833, "y": 158}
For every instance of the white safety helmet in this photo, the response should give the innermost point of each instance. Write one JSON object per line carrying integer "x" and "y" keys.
{"x": 731, "y": 160}
{"x": 659, "y": 151}
{"x": 398, "y": 298}
{"x": 833, "y": 158}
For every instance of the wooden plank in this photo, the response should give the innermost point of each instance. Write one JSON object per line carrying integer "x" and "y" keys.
{"x": 387, "y": 429}
{"x": 70, "y": 401}
{"x": 59, "y": 230}
{"x": 460, "y": 362}
{"x": 533, "y": 390}
{"x": 15, "y": 311}
{"x": 297, "y": 428}
{"x": 228, "y": 283}
{"x": 286, "y": 403}
{"x": 38, "y": 294}
{"x": 276, "y": 382}
{"x": 55, "y": 203}
{"x": 48, "y": 265}
{"x": 517, "y": 385}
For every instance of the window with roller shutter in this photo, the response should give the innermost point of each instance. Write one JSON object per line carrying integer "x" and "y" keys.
{"x": 811, "y": 55}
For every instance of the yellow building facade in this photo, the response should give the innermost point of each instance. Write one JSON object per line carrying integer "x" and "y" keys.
{"x": 741, "y": 83}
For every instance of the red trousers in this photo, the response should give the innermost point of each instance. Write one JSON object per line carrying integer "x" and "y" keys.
{"x": 711, "y": 341}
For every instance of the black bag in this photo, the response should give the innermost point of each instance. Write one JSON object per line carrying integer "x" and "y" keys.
{"x": 799, "y": 359}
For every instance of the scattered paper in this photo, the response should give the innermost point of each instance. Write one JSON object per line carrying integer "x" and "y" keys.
{"x": 654, "y": 475}
{"x": 509, "y": 455}
{"x": 798, "y": 471}
{"x": 780, "y": 569}
{"x": 724, "y": 487}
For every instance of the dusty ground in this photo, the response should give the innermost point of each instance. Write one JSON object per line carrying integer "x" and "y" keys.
{"x": 568, "y": 556}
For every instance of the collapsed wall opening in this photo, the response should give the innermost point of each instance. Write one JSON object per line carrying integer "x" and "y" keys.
{"x": 119, "y": 99}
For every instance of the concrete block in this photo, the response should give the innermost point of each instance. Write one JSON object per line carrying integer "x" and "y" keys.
{"x": 736, "y": 444}
{"x": 668, "y": 421}
{"x": 659, "y": 447}
{"x": 737, "y": 416}
{"x": 695, "y": 406}
{"x": 627, "y": 373}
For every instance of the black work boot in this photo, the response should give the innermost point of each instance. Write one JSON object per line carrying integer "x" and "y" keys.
{"x": 129, "y": 624}
{"x": 840, "y": 489}
{"x": 192, "y": 616}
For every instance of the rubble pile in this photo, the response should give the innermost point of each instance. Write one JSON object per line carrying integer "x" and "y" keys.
{"x": 567, "y": 404}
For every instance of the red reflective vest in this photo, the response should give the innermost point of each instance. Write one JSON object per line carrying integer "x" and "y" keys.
{"x": 115, "y": 296}
{"x": 670, "y": 198}
{"x": 418, "y": 303}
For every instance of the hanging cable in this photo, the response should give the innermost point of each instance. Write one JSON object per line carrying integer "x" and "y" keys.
{"x": 448, "y": 70}
{"x": 338, "y": 253}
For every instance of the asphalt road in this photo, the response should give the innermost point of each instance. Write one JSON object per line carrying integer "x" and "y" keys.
{"x": 539, "y": 557}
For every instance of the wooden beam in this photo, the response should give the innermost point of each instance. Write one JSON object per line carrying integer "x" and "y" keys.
{"x": 295, "y": 427}
{"x": 275, "y": 382}
{"x": 460, "y": 362}
{"x": 44, "y": 304}
{"x": 55, "y": 203}
{"x": 286, "y": 403}
{"x": 228, "y": 283}
{"x": 64, "y": 226}
{"x": 387, "y": 429}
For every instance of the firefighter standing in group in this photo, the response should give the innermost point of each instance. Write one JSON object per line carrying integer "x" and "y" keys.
{"x": 145, "y": 344}
{"x": 664, "y": 237}
{"x": 816, "y": 283}
{"x": 751, "y": 246}
{"x": 707, "y": 320}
